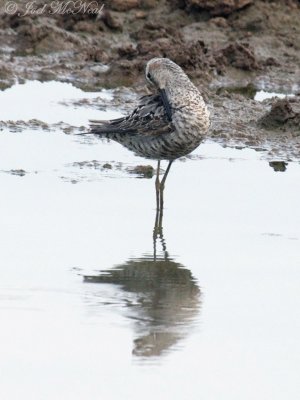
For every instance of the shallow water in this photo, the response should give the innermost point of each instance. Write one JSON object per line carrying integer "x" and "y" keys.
{"x": 85, "y": 310}
{"x": 263, "y": 95}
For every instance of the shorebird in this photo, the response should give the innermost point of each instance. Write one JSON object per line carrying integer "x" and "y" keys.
{"x": 166, "y": 125}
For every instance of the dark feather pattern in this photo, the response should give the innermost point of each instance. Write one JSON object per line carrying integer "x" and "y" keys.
{"x": 149, "y": 118}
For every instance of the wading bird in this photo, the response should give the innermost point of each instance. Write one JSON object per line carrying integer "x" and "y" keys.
{"x": 166, "y": 125}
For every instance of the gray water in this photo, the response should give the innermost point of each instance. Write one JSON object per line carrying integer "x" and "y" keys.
{"x": 87, "y": 313}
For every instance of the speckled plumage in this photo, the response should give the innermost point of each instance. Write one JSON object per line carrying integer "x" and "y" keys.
{"x": 166, "y": 125}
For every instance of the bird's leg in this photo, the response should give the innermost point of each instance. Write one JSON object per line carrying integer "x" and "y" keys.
{"x": 155, "y": 233}
{"x": 162, "y": 186}
{"x": 162, "y": 183}
{"x": 158, "y": 228}
{"x": 157, "y": 216}
{"x": 157, "y": 185}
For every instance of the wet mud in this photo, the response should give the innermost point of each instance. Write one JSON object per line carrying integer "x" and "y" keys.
{"x": 229, "y": 49}
{"x": 139, "y": 171}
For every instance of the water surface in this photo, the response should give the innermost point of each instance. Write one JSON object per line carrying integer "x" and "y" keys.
{"x": 86, "y": 309}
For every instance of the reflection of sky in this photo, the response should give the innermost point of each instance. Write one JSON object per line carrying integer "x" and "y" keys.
{"x": 230, "y": 220}
{"x": 263, "y": 95}
{"x": 37, "y": 100}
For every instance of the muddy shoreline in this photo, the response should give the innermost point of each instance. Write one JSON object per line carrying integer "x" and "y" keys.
{"x": 229, "y": 49}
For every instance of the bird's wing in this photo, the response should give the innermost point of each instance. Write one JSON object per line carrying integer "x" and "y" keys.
{"x": 149, "y": 118}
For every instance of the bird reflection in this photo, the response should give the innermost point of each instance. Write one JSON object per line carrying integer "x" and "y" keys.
{"x": 166, "y": 297}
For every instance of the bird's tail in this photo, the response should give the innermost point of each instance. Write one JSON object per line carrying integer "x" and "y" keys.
{"x": 105, "y": 127}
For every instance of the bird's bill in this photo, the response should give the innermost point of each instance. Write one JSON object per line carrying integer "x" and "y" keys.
{"x": 166, "y": 103}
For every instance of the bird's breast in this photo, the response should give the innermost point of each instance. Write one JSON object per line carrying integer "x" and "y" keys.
{"x": 191, "y": 120}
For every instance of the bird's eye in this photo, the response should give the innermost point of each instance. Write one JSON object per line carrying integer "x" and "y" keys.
{"x": 149, "y": 76}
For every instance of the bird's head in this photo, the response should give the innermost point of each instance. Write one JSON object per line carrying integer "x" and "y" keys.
{"x": 166, "y": 76}
{"x": 161, "y": 72}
